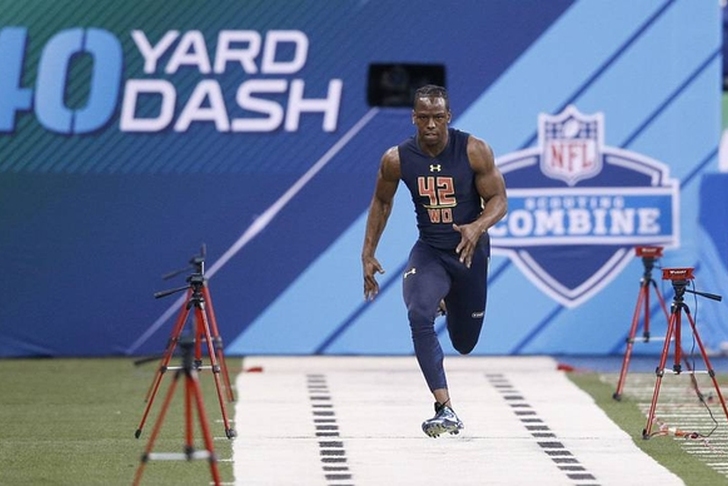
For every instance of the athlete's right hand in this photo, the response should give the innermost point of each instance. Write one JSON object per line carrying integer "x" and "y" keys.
{"x": 371, "y": 267}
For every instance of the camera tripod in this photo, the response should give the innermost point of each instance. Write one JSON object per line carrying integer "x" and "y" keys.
{"x": 649, "y": 256}
{"x": 198, "y": 295}
{"x": 193, "y": 397}
{"x": 679, "y": 279}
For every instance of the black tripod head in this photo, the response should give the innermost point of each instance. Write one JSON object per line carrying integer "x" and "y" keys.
{"x": 197, "y": 263}
{"x": 195, "y": 280}
{"x": 680, "y": 278}
{"x": 649, "y": 255}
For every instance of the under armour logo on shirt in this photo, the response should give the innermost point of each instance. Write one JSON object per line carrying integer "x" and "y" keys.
{"x": 435, "y": 168}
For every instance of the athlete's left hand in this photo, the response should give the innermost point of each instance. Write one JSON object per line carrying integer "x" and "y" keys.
{"x": 469, "y": 237}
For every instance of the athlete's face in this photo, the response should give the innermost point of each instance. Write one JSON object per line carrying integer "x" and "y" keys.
{"x": 431, "y": 117}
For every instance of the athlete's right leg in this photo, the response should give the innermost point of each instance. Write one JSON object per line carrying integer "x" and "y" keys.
{"x": 425, "y": 283}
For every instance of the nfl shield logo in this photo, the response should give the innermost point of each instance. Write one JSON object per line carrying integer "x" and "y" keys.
{"x": 571, "y": 145}
{"x": 577, "y": 207}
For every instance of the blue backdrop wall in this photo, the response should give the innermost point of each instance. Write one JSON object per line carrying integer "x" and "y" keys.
{"x": 133, "y": 133}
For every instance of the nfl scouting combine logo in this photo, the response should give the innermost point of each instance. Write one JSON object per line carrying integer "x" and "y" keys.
{"x": 577, "y": 208}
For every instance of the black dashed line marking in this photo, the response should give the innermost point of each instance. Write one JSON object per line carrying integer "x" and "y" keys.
{"x": 333, "y": 459}
{"x": 337, "y": 477}
{"x": 331, "y": 452}
{"x": 551, "y": 445}
{"x": 541, "y": 432}
{"x": 580, "y": 477}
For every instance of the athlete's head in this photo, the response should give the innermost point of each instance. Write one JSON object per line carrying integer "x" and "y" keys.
{"x": 431, "y": 114}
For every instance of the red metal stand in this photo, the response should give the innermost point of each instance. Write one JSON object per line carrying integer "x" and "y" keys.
{"x": 649, "y": 255}
{"x": 193, "y": 397}
{"x": 680, "y": 279}
{"x": 205, "y": 330}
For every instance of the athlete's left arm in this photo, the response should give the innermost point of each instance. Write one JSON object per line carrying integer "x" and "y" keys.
{"x": 492, "y": 189}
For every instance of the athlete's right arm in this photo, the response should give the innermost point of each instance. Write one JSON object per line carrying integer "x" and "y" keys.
{"x": 379, "y": 210}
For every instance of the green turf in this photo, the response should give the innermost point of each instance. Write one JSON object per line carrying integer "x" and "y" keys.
{"x": 72, "y": 422}
{"x": 665, "y": 450}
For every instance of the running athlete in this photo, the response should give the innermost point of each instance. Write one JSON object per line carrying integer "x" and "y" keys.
{"x": 458, "y": 193}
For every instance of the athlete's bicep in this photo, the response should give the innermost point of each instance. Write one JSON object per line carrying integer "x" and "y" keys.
{"x": 488, "y": 178}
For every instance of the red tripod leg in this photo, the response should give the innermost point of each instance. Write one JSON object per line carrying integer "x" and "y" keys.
{"x": 630, "y": 341}
{"x": 709, "y": 367}
{"x": 155, "y": 430}
{"x": 202, "y": 317}
{"x": 217, "y": 339}
{"x": 189, "y": 430}
{"x": 179, "y": 325}
{"x": 171, "y": 344}
{"x": 194, "y": 387}
{"x": 677, "y": 363}
{"x": 660, "y": 371}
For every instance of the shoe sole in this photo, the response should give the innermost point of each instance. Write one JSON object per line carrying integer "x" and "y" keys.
{"x": 435, "y": 430}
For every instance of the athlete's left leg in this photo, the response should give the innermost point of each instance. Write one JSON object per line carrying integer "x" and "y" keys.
{"x": 466, "y": 301}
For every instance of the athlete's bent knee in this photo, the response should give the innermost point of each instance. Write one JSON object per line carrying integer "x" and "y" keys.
{"x": 464, "y": 348}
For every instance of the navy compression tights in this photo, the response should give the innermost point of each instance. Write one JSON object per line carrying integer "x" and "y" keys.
{"x": 430, "y": 276}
